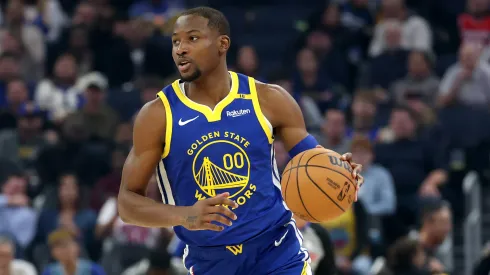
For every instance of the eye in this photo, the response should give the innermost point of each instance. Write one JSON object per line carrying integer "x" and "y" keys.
{"x": 193, "y": 38}
{"x": 175, "y": 42}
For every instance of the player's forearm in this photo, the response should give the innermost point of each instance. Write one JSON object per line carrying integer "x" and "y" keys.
{"x": 142, "y": 211}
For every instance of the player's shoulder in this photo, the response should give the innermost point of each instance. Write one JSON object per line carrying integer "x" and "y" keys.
{"x": 271, "y": 93}
{"x": 275, "y": 102}
{"x": 152, "y": 113}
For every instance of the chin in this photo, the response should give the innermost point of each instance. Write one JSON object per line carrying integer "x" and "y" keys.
{"x": 190, "y": 76}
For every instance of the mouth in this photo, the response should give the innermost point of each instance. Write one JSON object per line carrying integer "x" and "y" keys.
{"x": 184, "y": 65}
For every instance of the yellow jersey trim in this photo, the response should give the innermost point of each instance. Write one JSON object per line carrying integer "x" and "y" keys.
{"x": 211, "y": 114}
{"x": 258, "y": 111}
{"x": 168, "y": 127}
{"x": 305, "y": 269}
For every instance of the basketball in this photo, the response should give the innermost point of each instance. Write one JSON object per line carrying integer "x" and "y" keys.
{"x": 317, "y": 186}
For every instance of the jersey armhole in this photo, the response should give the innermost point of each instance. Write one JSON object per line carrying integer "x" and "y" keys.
{"x": 264, "y": 122}
{"x": 168, "y": 126}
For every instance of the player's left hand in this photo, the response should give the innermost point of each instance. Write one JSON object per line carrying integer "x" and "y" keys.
{"x": 356, "y": 169}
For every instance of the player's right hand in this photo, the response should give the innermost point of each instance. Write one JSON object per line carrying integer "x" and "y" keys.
{"x": 202, "y": 213}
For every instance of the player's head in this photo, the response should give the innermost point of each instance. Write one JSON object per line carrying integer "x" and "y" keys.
{"x": 200, "y": 40}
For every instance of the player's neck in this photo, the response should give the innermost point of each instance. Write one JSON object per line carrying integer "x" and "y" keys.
{"x": 214, "y": 86}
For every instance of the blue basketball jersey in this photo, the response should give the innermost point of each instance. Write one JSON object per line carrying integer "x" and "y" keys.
{"x": 228, "y": 149}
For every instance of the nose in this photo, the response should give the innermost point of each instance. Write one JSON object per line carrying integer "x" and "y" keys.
{"x": 182, "y": 49}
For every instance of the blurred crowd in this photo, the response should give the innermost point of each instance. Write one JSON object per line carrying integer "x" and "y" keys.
{"x": 402, "y": 84}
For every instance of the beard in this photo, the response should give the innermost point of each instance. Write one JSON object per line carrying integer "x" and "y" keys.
{"x": 195, "y": 75}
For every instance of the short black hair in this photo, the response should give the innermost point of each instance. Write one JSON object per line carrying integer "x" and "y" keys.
{"x": 401, "y": 253}
{"x": 216, "y": 19}
{"x": 431, "y": 206}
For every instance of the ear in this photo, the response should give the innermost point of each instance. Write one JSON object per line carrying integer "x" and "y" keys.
{"x": 224, "y": 43}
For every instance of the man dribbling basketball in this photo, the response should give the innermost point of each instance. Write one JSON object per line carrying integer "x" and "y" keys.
{"x": 210, "y": 135}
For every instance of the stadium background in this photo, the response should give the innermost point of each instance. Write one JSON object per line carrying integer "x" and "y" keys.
{"x": 403, "y": 84}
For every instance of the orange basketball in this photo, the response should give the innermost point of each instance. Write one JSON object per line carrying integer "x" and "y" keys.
{"x": 317, "y": 186}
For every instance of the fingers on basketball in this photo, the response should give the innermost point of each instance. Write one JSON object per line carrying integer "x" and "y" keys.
{"x": 318, "y": 185}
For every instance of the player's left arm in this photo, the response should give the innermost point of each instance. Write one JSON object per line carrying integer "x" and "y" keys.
{"x": 285, "y": 115}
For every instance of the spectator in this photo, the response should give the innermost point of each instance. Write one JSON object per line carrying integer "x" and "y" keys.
{"x": 48, "y": 16}
{"x": 8, "y": 264}
{"x": 474, "y": 24}
{"x": 356, "y": 16}
{"x": 248, "y": 62}
{"x": 419, "y": 81}
{"x": 65, "y": 250}
{"x": 85, "y": 14}
{"x": 334, "y": 133}
{"x": 434, "y": 234}
{"x": 18, "y": 219}
{"x": 124, "y": 135}
{"x": 390, "y": 64}
{"x": 17, "y": 97}
{"x": 415, "y": 31}
{"x": 137, "y": 55}
{"x": 69, "y": 214}
{"x": 109, "y": 224}
{"x": 100, "y": 119}
{"x": 310, "y": 81}
{"x": 75, "y": 152}
{"x": 331, "y": 57}
{"x": 378, "y": 192}
{"x": 312, "y": 115}
{"x": 407, "y": 257}
{"x": 468, "y": 81}
{"x": 420, "y": 172}
{"x": 23, "y": 144}
{"x": 329, "y": 22}
{"x": 59, "y": 95}
{"x": 9, "y": 70}
{"x": 108, "y": 186}
{"x": 364, "y": 112}
{"x": 350, "y": 239}
{"x": 78, "y": 45}
{"x": 31, "y": 36}
{"x": 32, "y": 70}
{"x": 151, "y": 86}
{"x": 320, "y": 247}
{"x": 129, "y": 243}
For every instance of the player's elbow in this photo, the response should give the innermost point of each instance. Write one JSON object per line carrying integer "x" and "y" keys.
{"x": 123, "y": 209}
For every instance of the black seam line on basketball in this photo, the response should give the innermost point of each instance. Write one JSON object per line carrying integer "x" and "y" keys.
{"x": 299, "y": 192}
{"x": 319, "y": 166}
{"x": 287, "y": 182}
{"x": 306, "y": 162}
{"x": 312, "y": 165}
{"x": 291, "y": 168}
{"x": 308, "y": 175}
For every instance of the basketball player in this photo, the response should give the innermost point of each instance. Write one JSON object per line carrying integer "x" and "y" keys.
{"x": 210, "y": 137}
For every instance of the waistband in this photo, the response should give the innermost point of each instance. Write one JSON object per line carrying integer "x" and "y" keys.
{"x": 211, "y": 252}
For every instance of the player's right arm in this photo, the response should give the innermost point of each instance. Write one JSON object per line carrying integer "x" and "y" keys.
{"x": 135, "y": 208}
